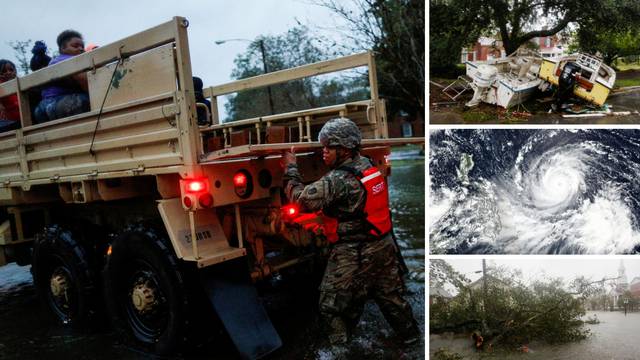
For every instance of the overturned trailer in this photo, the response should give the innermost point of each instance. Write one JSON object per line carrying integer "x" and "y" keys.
{"x": 135, "y": 201}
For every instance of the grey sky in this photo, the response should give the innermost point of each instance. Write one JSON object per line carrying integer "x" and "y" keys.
{"x": 568, "y": 268}
{"x": 103, "y": 22}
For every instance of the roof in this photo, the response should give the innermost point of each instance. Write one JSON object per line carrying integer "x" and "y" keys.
{"x": 437, "y": 291}
{"x": 486, "y": 41}
{"x": 478, "y": 283}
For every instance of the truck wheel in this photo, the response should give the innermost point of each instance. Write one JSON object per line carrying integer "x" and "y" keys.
{"x": 63, "y": 277}
{"x": 144, "y": 290}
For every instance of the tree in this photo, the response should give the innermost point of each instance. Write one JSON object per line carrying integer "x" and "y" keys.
{"x": 22, "y": 49}
{"x": 294, "y": 48}
{"x": 453, "y": 25}
{"x": 394, "y": 30}
{"x": 519, "y": 21}
{"x": 442, "y": 274}
{"x": 613, "y": 32}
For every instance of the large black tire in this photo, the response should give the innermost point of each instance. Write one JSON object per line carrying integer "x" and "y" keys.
{"x": 63, "y": 277}
{"x": 144, "y": 290}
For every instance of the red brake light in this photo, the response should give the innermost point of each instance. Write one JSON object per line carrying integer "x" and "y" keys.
{"x": 206, "y": 200}
{"x": 291, "y": 210}
{"x": 195, "y": 186}
{"x": 243, "y": 183}
{"x": 240, "y": 179}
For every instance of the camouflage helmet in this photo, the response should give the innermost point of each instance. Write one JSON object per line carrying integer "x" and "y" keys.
{"x": 340, "y": 132}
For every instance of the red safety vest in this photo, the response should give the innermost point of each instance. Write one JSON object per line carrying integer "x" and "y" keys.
{"x": 376, "y": 208}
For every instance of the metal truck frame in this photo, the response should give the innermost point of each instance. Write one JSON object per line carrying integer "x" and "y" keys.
{"x": 105, "y": 204}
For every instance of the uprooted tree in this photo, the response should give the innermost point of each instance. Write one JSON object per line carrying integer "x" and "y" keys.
{"x": 516, "y": 313}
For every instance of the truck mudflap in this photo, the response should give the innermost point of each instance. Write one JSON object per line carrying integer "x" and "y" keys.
{"x": 235, "y": 299}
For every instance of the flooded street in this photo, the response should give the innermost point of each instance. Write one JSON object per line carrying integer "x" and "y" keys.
{"x": 615, "y": 338}
{"x": 26, "y": 332}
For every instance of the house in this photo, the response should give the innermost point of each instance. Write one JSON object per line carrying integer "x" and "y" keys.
{"x": 551, "y": 46}
{"x": 634, "y": 287}
{"x": 485, "y": 48}
{"x": 492, "y": 280}
{"x": 404, "y": 125}
{"x": 438, "y": 295}
{"x": 621, "y": 285}
{"x": 490, "y": 48}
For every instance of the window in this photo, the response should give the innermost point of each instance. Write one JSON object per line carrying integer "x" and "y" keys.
{"x": 407, "y": 130}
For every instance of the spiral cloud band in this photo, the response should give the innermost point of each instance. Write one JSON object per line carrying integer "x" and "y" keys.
{"x": 535, "y": 191}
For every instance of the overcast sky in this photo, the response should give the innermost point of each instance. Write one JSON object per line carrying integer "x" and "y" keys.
{"x": 568, "y": 268}
{"x": 103, "y": 22}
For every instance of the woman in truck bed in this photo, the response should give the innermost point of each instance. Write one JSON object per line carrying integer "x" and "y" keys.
{"x": 65, "y": 97}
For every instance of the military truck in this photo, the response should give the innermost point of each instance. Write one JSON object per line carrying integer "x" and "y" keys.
{"x": 135, "y": 207}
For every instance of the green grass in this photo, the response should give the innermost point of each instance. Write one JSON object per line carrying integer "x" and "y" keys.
{"x": 621, "y": 66}
{"x": 478, "y": 117}
{"x": 627, "y": 82}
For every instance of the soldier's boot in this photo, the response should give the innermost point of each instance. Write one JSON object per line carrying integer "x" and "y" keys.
{"x": 338, "y": 332}
{"x": 399, "y": 315}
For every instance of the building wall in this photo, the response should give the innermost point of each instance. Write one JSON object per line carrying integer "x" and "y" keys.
{"x": 398, "y": 127}
{"x": 635, "y": 288}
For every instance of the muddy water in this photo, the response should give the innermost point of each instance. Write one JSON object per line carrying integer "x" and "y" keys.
{"x": 26, "y": 332}
{"x": 615, "y": 337}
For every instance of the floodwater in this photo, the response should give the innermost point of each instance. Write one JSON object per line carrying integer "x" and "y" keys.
{"x": 26, "y": 332}
{"x": 614, "y": 338}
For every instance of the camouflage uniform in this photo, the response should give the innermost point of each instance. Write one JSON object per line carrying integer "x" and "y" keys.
{"x": 361, "y": 266}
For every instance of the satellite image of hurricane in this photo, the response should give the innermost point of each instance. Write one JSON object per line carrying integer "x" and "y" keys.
{"x": 530, "y": 191}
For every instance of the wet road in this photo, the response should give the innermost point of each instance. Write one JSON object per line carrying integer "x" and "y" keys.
{"x": 615, "y": 338}
{"x": 26, "y": 332}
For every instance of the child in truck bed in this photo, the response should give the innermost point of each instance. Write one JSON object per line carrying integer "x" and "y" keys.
{"x": 9, "y": 108}
{"x": 68, "y": 96}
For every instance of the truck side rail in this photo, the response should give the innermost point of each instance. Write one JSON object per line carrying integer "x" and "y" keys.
{"x": 141, "y": 119}
{"x": 297, "y": 126}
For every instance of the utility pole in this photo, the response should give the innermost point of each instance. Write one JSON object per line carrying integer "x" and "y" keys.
{"x": 485, "y": 328}
{"x": 266, "y": 70}
{"x": 264, "y": 65}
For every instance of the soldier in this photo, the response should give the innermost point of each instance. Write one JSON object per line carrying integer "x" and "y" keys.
{"x": 362, "y": 262}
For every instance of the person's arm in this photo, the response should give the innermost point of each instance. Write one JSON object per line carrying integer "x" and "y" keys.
{"x": 81, "y": 80}
{"x": 312, "y": 197}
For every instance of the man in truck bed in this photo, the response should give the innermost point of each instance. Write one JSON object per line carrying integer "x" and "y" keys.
{"x": 362, "y": 263}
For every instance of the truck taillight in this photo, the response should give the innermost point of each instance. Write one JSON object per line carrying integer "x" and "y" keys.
{"x": 240, "y": 179}
{"x": 243, "y": 183}
{"x": 291, "y": 210}
{"x": 195, "y": 194}
{"x": 195, "y": 186}
{"x": 205, "y": 200}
